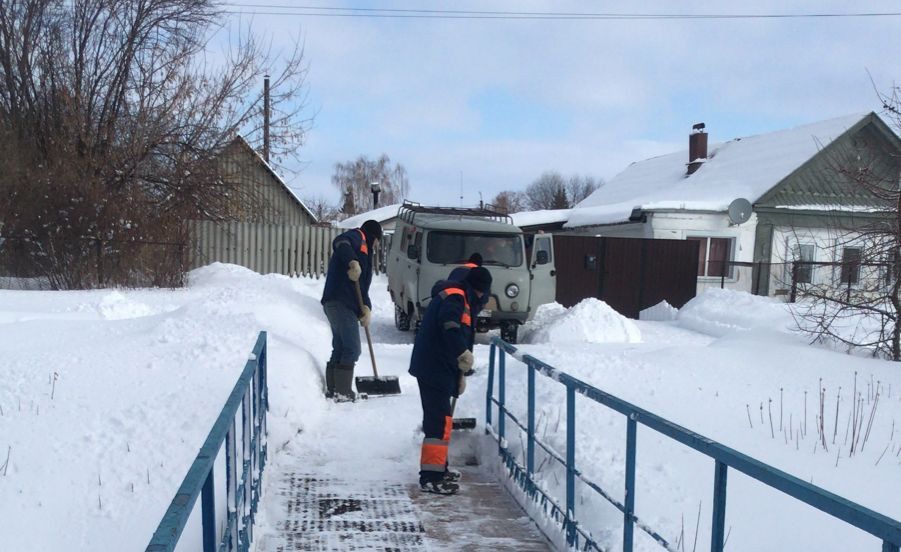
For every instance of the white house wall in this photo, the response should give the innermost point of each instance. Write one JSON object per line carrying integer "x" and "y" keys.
{"x": 682, "y": 225}
{"x": 826, "y": 250}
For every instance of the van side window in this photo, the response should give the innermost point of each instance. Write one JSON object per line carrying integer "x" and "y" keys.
{"x": 405, "y": 239}
{"x": 543, "y": 249}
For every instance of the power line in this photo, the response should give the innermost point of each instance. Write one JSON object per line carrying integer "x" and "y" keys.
{"x": 398, "y": 13}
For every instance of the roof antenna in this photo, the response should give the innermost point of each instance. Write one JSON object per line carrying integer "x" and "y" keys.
{"x": 461, "y": 188}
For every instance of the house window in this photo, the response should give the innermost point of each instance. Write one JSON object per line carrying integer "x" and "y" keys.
{"x": 891, "y": 268}
{"x": 714, "y": 255}
{"x": 850, "y": 265}
{"x": 800, "y": 253}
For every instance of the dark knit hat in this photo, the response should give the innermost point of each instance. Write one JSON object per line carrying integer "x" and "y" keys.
{"x": 373, "y": 230}
{"x": 479, "y": 279}
{"x": 476, "y": 259}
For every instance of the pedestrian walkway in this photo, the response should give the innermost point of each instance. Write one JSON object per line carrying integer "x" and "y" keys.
{"x": 326, "y": 514}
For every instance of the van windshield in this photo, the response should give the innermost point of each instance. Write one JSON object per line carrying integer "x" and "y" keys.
{"x": 456, "y": 247}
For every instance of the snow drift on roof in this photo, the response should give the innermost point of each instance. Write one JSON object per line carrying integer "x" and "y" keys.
{"x": 545, "y": 216}
{"x": 744, "y": 167}
{"x": 380, "y": 215}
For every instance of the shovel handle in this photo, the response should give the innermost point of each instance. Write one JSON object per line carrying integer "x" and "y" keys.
{"x": 375, "y": 372}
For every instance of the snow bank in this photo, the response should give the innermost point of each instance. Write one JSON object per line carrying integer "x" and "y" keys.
{"x": 591, "y": 321}
{"x": 661, "y": 312}
{"x": 718, "y": 312}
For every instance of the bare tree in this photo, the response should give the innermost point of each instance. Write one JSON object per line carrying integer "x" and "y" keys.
{"x": 552, "y": 191}
{"x": 354, "y": 178}
{"x": 547, "y": 192}
{"x": 580, "y": 187}
{"x": 509, "y": 201}
{"x": 323, "y": 209}
{"x": 856, "y": 299}
{"x": 111, "y": 120}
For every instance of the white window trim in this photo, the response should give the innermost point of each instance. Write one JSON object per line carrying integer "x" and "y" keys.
{"x": 790, "y": 258}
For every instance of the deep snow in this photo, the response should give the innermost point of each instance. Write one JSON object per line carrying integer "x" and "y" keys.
{"x": 141, "y": 374}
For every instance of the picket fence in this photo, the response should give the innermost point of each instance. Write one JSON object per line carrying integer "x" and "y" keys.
{"x": 293, "y": 250}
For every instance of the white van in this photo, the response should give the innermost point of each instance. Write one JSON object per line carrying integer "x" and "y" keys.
{"x": 429, "y": 242}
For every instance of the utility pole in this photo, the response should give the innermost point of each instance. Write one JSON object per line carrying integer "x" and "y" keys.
{"x": 266, "y": 118}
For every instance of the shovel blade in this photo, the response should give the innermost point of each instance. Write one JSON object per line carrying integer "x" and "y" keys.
{"x": 464, "y": 423}
{"x": 382, "y": 385}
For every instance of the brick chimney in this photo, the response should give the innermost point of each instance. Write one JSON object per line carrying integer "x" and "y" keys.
{"x": 697, "y": 148}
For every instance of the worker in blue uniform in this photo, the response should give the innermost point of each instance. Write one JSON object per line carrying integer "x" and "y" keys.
{"x": 349, "y": 265}
{"x": 441, "y": 356}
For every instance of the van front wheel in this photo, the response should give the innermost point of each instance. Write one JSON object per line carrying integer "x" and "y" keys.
{"x": 401, "y": 319}
{"x": 509, "y": 331}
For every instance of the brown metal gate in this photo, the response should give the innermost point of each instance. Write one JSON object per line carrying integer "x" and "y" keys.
{"x": 629, "y": 274}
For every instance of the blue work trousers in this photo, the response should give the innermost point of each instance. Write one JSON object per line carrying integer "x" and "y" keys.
{"x": 345, "y": 332}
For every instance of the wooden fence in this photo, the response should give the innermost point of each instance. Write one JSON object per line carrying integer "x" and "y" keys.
{"x": 264, "y": 248}
{"x": 293, "y": 250}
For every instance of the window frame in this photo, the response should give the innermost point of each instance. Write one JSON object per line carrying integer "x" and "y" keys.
{"x": 704, "y": 245}
{"x": 793, "y": 252}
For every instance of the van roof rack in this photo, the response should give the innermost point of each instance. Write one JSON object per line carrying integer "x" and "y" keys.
{"x": 408, "y": 211}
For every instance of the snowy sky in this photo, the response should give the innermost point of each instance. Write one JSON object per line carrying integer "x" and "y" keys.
{"x": 493, "y": 103}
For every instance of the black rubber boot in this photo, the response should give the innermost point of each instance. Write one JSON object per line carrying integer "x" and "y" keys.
{"x": 344, "y": 379}
{"x": 330, "y": 380}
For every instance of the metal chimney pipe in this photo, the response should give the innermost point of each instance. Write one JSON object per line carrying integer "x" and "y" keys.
{"x": 266, "y": 118}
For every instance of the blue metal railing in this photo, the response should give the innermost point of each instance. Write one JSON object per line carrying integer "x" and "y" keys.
{"x": 884, "y": 528}
{"x": 243, "y": 468}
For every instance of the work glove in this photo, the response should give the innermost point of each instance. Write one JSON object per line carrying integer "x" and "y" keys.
{"x": 354, "y": 271}
{"x": 366, "y": 316}
{"x": 461, "y": 384}
{"x": 465, "y": 361}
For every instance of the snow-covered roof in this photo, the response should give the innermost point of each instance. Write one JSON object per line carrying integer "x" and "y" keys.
{"x": 379, "y": 215}
{"x": 544, "y": 216}
{"x": 744, "y": 167}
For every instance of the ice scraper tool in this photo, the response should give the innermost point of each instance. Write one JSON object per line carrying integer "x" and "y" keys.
{"x": 374, "y": 385}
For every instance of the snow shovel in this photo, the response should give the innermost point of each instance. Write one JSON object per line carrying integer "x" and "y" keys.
{"x": 461, "y": 423}
{"x": 374, "y": 385}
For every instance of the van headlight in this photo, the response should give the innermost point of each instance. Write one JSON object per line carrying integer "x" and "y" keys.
{"x": 512, "y": 291}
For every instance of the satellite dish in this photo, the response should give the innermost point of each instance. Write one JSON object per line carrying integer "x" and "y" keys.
{"x": 739, "y": 210}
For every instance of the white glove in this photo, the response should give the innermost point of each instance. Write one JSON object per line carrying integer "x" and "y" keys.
{"x": 365, "y": 317}
{"x": 461, "y": 385}
{"x": 354, "y": 271}
{"x": 465, "y": 361}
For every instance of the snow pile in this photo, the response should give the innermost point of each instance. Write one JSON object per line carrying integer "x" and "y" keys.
{"x": 661, "y": 312}
{"x": 116, "y": 306}
{"x": 591, "y": 321}
{"x": 718, "y": 312}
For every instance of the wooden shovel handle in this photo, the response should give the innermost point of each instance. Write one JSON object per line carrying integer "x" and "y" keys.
{"x": 375, "y": 371}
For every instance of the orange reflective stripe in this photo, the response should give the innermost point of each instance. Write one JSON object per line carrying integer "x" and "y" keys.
{"x": 448, "y": 426}
{"x": 466, "y": 317}
{"x": 470, "y": 265}
{"x": 433, "y": 455}
{"x": 363, "y": 247}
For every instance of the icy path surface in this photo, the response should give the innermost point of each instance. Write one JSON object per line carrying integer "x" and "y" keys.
{"x": 344, "y": 476}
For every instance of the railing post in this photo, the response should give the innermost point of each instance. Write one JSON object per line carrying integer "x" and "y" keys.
{"x": 629, "y": 502}
{"x": 501, "y": 396}
{"x": 231, "y": 496}
{"x": 530, "y": 442}
{"x": 490, "y": 391}
{"x": 208, "y": 513}
{"x": 719, "y": 508}
{"x": 570, "y": 462}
